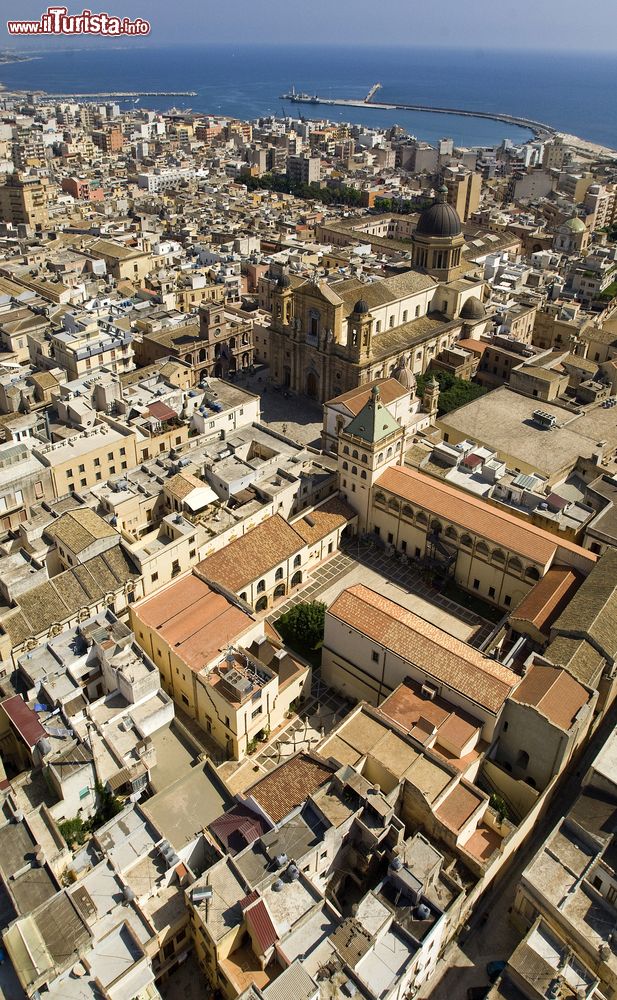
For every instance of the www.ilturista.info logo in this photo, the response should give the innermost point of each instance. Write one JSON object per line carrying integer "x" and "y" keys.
{"x": 58, "y": 21}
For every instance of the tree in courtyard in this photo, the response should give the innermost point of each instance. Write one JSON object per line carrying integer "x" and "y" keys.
{"x": 303, "y": 624}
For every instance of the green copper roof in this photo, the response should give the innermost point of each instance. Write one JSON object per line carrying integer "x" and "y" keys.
{"x": 575, "y": 225}
{"x": 374, "y": 421}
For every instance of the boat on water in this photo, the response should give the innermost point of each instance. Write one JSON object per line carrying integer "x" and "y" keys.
{"x": 301, "y": 97}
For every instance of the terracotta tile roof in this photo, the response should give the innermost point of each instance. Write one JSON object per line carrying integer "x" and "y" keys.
{"x": 320, "y": 522}
{"x": 547, "y": 598}
{"x": 195, "y": 621}
{"x": 457, "y": 807}
{"x": 441, "y": 656}
{"x": 259, "y": 923}
{"x": 474, "y": 515}
{"x": 289, "y": 785}
{"x": 247, "y": 558}
{"x": 409, "y": 709}
{"x": 389, "y": 389}
{"x": 555, "y": 694}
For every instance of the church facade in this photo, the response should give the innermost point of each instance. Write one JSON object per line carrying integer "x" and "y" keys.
{"x": 328, "y": 338}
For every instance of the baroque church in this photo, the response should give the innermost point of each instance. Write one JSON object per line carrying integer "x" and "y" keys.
{"x": 327, "y": 338}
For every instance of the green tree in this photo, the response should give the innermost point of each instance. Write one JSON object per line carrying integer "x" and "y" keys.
{"x": 74, "y": 830}
{"x": 453, "y": 392}
{"x": 303, "y": 625}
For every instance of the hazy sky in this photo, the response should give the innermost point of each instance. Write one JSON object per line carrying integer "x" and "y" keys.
{"x": 538, "y": 24}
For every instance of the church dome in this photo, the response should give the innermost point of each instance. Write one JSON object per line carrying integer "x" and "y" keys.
{"x": 361, "y": 307}
{"x": 439, "y": 219}
{"x": 473, "y": 309}
{"x": 283, "y": 281}
{"x": 403, "y": 374}
{"x": 575, "y": 225}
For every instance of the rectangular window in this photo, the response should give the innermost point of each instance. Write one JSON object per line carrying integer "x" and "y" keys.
{"x": 69, "y": 473}
{"x": 154, "y": 577}
{"x": 82, "y": 468}
{"x": 375, "y": 656}
{"x": 84, "y": 793}
{"x": 257, "y": 712}
{"x": 38, "y": 490}
{"x": 185, "y": 699}
{"x": 123, "y": 451}
{"x": 491, "y": 591}
{"x": 390, "y": 537}
{"x": 476, "y": 584}
{"x": 507, "y": 600}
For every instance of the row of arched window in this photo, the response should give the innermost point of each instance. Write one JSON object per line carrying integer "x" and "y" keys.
{"x": 494, "y": 555}
{"x": 363, "y": 458}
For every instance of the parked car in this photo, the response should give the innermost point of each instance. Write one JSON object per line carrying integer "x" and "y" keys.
{"x": 494, "y": 970}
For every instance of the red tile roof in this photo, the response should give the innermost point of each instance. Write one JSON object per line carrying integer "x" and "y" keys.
{"x": 547, "y": 599}
{"x": 194, "y": 620}
{"x": 475, "y": 515}
{"x": 238, "y": 828}
{"x": 161, "y": 411}
{"x": 457, "y": 807}
{"x": 440, "y": 655}
{"x": 24, "y": 720}
{"x": 262, "y": 930}
{"x": 553, "y": 692}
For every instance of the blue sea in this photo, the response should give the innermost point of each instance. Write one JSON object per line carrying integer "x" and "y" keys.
{"x": 574, "y": 92}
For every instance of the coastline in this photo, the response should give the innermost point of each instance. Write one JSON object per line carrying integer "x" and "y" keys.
{"x": 586, "y": 147}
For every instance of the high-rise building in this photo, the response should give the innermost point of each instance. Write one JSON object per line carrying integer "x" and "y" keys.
{"x": 464, "y": 187}
{"x": 23, "y": 201}
{"x": 110, "y": 140}
{"x": 304, "y": 169}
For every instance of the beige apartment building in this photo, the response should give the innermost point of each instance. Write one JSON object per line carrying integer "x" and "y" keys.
{"x": 88, "y": 458}
{"x": 84, "y": 352}
{"x": 124, "y": 263}
{"x": 464, "y": 189}
{"x": 217, "y": 664}
{"x": 23, "y": 201}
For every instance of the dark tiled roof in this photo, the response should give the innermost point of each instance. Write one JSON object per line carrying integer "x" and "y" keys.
{"x": 238, "y": 828}
{"x": 592, "y": 613}
{"x": 289, "y": 785}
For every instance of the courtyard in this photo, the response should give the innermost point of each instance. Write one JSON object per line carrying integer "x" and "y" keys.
{"x": 296, "y": 417}
{"x": 401, "y": 582}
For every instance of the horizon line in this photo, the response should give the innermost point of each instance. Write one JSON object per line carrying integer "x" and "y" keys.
{"x": 153, "y": 42}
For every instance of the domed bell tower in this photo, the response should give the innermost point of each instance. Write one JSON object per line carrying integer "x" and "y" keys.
{"x": 438, "y": 239}
{"x": 359, "y": 332}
